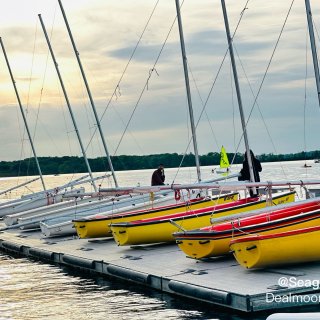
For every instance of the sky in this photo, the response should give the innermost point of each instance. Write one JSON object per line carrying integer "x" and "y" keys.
{"x": 142, "y": 101}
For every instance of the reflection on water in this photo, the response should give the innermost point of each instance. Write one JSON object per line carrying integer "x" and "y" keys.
{"x": 33, "y": 290}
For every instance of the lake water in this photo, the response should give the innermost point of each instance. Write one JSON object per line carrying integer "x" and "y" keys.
{"x": 34, "y": 290}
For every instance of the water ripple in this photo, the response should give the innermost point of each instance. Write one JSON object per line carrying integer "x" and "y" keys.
{"x": 33, "y": 290}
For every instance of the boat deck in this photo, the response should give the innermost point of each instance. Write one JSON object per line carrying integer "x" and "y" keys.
{"x": 164, "y": 267}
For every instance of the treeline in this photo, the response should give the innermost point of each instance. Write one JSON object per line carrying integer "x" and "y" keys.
{"x": 61, "y": 165}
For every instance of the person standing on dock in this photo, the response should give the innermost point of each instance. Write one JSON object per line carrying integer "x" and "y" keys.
{"x": 245, "y": 174}
{"x": 158, "y": 176}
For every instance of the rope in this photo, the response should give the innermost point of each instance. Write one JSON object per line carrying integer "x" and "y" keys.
{"x": 146, "y": 84}
{"x": 200, "y": 97}
{"x": 211, "y": 89}
{"x": 260, "y": 112}
{"x": 150, "y": 72}
{"x": 117, "y": 88}
{"x": 21, "y": 139}
{"x": 234, "y": 228}
{"x": 29, "y": 89}
{"x": 38, "y": 120}
{"x": 305, "y": 102}
{"x": 28, "y": 97}
{"x": 233, "y": 113}
{"x": 27, "y": 108}
{"x": 268, "y": 66}
{"x": 314, "y": 25}
{"x": 263, "y": 79}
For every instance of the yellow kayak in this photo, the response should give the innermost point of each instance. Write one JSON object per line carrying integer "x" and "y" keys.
{"x": 98, "y": 225}
{"x": 296, "y": 246}
{"x": 160, "y": 229}
{"x": 214, "y": 240}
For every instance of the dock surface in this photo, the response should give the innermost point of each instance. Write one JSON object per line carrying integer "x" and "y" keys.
{"x": 219, "y": 281}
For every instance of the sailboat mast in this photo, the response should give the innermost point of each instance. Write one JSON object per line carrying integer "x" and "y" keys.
{"x": 186, "y": 76}
{"x": 23, "y": 116}
{"x": 313, "y": 47}
{"x": 236, "y": 81}
{"x": 89, "y": 93}
{"x": 68, "y": 104}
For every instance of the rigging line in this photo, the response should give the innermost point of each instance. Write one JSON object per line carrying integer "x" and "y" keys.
{"x": 269, "y": 64}
{"x": 61, "y": 104}
{"x": 52, "y": 140}
{"x": 233, "y": 111}
{"x": 125, "y": 69}
{"x": 48, "y": 134}
{"x": 210, "y": 91}
{"x": 233, "y": 108}
{"x": 213, "y": 84}
{"x": 188, "y": 126}
{"x": 39, "y": 104}
{"x": 22, "y": 142}
{"x": 41, "y": 90}
{"x": 260, "y": 87}
{"x": 146, "y": 84}
{"x": 31, "y": 71}
{"x": 92, "y": 126}
{"x": 43, "y": 83}
{"x": 90, "y": 122}
{"x": 315, "y": 27}
{"x": 202, "y": 103}
{"x": 239, "y": 21}
{"x": 41, "y": 96}
{"x": 305, "y": 101}
{"x": 259, "y": 109}
{"x": 29, "y": 89}
{"x": 22, "y": 139}
{"x": 132, "y": 136}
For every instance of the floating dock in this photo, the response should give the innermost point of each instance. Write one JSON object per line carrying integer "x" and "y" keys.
{"x": 218, "y": 281}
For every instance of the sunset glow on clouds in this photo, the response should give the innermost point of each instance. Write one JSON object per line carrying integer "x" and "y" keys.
{"x": 106, "y": 33}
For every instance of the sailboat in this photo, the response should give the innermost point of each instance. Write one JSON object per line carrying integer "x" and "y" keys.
{"x": 161, "y": 229}
{"x": 209, "y": 241}
{"x": 296, "y": 246}
{"x": 48, "y": 225}
{"x": 98, "y": 225}
{"x": 224, "y": 162}
{"x": 214, "y": 240}
{"x": 135, "y": 232}
{"x": 261, "y": 251}
{"x": 34, "y": 217}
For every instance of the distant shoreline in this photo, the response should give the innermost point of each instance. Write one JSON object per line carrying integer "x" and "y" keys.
{"x": 64, "y": 165}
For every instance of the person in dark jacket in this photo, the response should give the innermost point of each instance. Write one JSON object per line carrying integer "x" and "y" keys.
{"x": 245, "y": 174}
{"x": 158, "y": 176}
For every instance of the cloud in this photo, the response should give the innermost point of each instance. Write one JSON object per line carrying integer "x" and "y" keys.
{"x": 106, "y": 34}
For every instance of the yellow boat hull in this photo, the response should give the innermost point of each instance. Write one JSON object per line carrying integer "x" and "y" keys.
{"x": 204, "y": 248}
{"x": 162, "y": 230}
{"x": 279, "y": 249}
{"x": 97, "y": 228}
